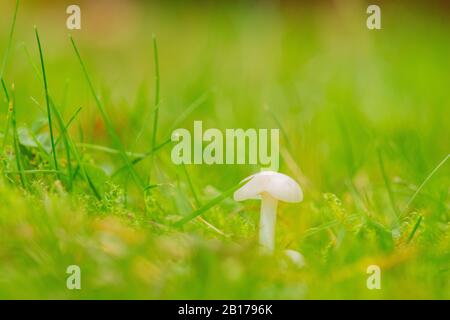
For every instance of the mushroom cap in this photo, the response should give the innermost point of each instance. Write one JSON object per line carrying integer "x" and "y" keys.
{"x": 277, "y": 185}
{"x": 296, "y": 257}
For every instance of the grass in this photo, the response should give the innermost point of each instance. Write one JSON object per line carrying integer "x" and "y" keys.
{"x": 107, "y": 120}
{"x": 10, "y": 39}
{"x": 87, "y": 179}
{"x": 156, "y": 106}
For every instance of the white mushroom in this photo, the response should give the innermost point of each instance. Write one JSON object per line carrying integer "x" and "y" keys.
{"x": 270, "y": 187}
{"x": 295, "y": 257}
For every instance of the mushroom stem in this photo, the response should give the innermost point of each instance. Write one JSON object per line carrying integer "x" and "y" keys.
{"x": 267, "y": 221}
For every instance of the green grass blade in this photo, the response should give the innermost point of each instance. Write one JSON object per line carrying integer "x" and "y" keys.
{"x": 35, "y": 172}
{"x": 47, "y": 100}
{"x": 157, "y": 84}
{"x": 8, "y": 46}
{"x": 5, "y": 90}
{"x": 30, "y": 61}
{"x": 146, "y": 155}
{"x": 388, "y": 186}
{"x": 191, "y": 186}
{"x": 156, "y": 105}
{"x": 107, "y": 120}
{"x": 2, "y": 69}
{"x": 191, "y": 108}
{"x": 209, "y": 205}
{"x": 281, "y": 126}
{"x": 414, "y": 230}
{"x": 65, "y": 138}
{"x": 85, "y": 174}
{"x": 17, "y": 152}
{"x": 71, "y": 147}
{"x": 440, "y": 164}
{"x": 8, "y": 118}
{"x": 109, "y": 150}
{"x": 69, "y": 123}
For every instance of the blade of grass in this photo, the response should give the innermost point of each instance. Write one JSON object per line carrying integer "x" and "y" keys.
{"x": 327, "y": 225}
{"x": 65, "y": 138}
{"x": 34, "y": 172}
{"x": 41, "y": 148}
{"x": 388, "y": 186}
{"x": 47, "y": 100}
{"x": 107, "y": 120}
{"x": 10, "y": 38}
{"x": 156, "y": 106}
{"x": 8, "y": 117}
{"x": 3, "y": 66}
{"x": 62, "y": 136}
{"x": 66, "y": 128}
{"x": 70, "y": 146}
{"x": 194, "y": 105}
{"x": 191, "y": 108}
{"x": 83, "y": 170}
{"x": 208, "y": 205}
{"x": 191, "y": 186}
{"x": 157, "y": 86}
{"x": 198, "y": 204}
{"x": 109, "y": 150}
{"x": 63, "y": 102}
{"x": 280, "y": 125}
{"x": 30, "y": 61}
{"x": 440, "y": 164}
{"x": 145, "y": 156}
{"x": 414, "y": 230}
{"x": 347, "y": 144}
{"x": 17, "y": 152}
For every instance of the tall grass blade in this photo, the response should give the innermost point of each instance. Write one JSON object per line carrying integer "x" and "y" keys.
{"x": 47, "y": 100}
{"x": 17, "y": 152}
{"x": 440, "y": 164}
{"x": 191, "y": 108}
{"x": 8, "y": 46}
{"x": 8, "y": 118}
{"x": 388, "y": 186}
{"x": 107, "y": 120}
{"x": 156, "y": 105}
{"x": 65, "y": 138}
{"x": 209, "y": 205}
{"x": 157, "y": 86}
{"x": 69, "y": 123}
{"x": 191, "y": 186}
{"x": 414, "y": 230}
